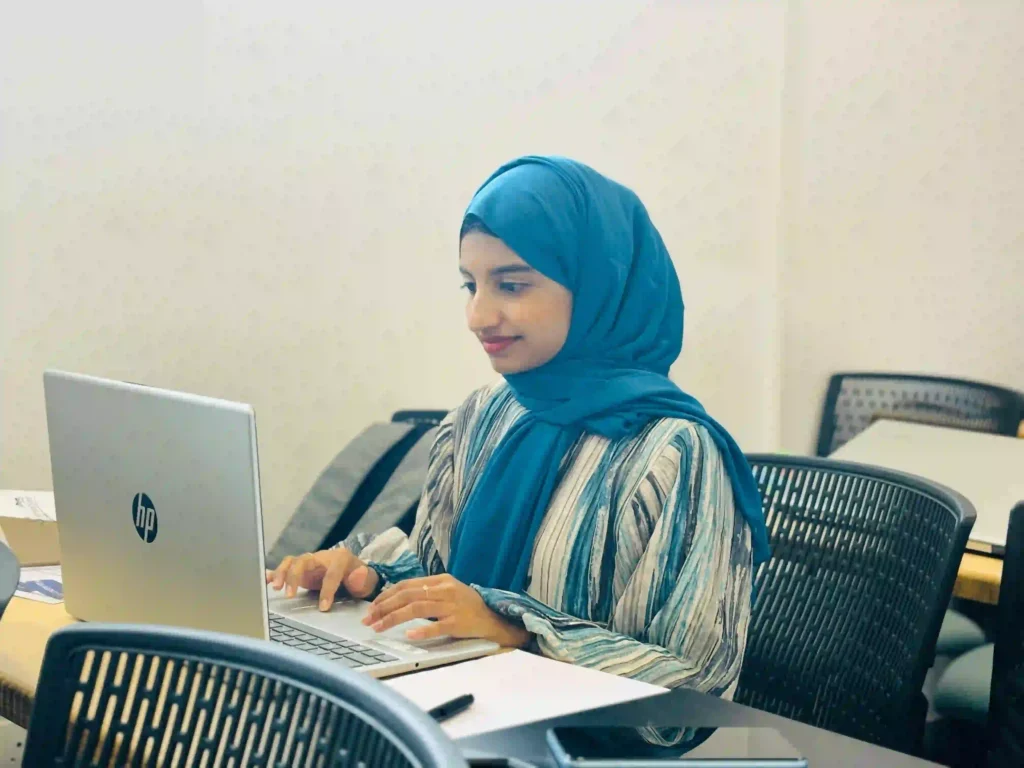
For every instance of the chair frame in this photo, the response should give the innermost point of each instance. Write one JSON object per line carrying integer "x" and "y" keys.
{"x": 393, "y": 718}
{"x": 964, "y": 514}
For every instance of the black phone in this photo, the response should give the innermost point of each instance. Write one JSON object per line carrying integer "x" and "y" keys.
{"x": 618, "y": 747}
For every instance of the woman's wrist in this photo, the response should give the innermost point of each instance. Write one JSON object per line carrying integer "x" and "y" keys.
{"x": 511, "y": 635}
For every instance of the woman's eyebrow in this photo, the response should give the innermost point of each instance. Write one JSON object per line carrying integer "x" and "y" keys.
{"x": 511, "y": 269}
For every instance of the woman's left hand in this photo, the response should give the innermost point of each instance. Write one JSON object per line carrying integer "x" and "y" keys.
{"x": 459, "y": 611}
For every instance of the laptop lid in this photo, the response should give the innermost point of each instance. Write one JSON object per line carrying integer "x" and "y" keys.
{"x": 158, "y": 505}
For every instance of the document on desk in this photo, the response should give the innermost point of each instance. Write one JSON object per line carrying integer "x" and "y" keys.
{"x": 512, "y": 689}
{"x": 28, "y": 505}
{"x": 41, "y": 583}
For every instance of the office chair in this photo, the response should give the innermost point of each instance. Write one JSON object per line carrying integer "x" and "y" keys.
{"x": 118, "y": 694}
{"x": 853, "y": 400}
{"x": 985, "y": 687}
{"x": 848, "y": 608}
{"x": 433, "y": 418}
{"x": 10, "y": 573}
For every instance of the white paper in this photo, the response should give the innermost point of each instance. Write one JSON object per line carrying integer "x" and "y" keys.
{"x": 512, "y": 689}
{"x": 28, "y": 505}
{"x": 42, "y": 583}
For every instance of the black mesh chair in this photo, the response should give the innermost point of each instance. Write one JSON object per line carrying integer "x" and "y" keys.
{"x": 147, "y": 696}
{"x": 854, "y": 400}
{"x": 1006, "y": 704}
{"x": 10, "y": 573}
{"x": 848, "y": 608}
{"x": 432, "y": 418}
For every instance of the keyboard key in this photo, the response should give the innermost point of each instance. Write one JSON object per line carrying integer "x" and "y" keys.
{"x": 302, "y": 646}
{"x": 361, "y": 658}
{"x": 351, "y": 664}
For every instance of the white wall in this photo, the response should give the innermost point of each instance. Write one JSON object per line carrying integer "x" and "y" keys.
{"x": 903, "y": 195}
{"x": 260, "y": 201}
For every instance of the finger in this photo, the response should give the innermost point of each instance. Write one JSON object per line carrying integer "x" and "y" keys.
{"x": 421, "y": 609}
{"x": 281, "y": 571}
{"x": 400, "y": 598}
{"x": 414, "y": 585}
{"x": 295, "y": 574}
{"x": 434, "y": 629}
{"x": 361, "y": 581}
{"x": 336, "y": 573}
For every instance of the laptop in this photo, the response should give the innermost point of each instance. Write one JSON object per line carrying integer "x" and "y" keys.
{"x": 157, "y": 496}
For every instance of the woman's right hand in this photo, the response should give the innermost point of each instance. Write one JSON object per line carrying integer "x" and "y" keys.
{"x": 326, "y": 570}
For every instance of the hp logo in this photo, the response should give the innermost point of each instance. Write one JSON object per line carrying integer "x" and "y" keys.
{"x": 144, "y": 517}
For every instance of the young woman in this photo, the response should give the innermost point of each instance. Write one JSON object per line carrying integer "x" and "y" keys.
{"x": 584, "y": 506}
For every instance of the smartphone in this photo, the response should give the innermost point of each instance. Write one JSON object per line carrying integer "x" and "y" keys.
{"x": 616, "y": 747}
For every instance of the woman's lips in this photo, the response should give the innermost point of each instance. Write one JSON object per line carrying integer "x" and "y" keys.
{"x": 498, "y": 344}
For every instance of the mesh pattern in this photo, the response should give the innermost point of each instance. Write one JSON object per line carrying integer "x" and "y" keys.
{"x": 1006, "y": 707}
{"x": 854, "y": 400}
{"x": 133, "y": 704}
{"x": 849, "y": 605}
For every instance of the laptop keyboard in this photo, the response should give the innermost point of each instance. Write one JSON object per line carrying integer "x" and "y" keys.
{"x": 350, "y": 653}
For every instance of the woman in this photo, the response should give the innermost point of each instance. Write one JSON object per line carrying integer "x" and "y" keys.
{"x": 583, "y": 507}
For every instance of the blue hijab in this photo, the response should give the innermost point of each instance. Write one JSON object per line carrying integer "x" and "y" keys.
{"x": 594, "y": 237}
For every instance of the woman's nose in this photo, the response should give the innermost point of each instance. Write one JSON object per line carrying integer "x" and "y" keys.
{"x": 482, "y": 313}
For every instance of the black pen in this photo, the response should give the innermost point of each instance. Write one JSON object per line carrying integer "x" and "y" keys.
{"x": 451, "y": 708}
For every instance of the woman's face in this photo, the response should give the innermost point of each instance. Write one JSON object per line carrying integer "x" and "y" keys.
{"x": 520, "y": 316}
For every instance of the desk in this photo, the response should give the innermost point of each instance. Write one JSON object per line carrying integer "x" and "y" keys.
{"x": 680, "y": 707}
{"x": 987, "y": 469}
{"x": 27, "y": 625}
{"x": 24, "y": 629}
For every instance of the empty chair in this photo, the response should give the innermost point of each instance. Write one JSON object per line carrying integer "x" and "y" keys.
{"x": 848, "y": 608}
{"x": 986, "y": 686}
{"x": 854, "y": 400}
{"x": 142, "y": 695}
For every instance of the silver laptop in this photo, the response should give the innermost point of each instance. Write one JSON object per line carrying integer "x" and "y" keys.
{"x": 158, "y": 513}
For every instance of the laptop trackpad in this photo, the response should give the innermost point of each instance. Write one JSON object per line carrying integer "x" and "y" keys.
{"x": 345, "y": 619}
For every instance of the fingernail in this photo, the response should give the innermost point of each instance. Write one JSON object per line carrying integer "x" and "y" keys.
{"x": 324, "y": 605}
{"x": 377, "y": 627}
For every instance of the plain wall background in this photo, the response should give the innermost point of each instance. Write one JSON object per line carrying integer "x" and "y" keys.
{"x": 903, "y": 201}
{"x": 261, "y": 202}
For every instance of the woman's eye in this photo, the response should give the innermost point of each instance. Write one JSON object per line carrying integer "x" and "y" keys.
{"x": 471, "y": 287}
{"x": 513, "y": 287}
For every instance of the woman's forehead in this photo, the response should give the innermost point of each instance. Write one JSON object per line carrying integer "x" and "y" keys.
{"x": 482, "y": 252}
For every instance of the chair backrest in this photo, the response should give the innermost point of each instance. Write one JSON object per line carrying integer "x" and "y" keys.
{"x": 848, "y": 608}
{"x": 10, "y": 573}
{"x": 854, "y": 399}
{"x": 420, "y": 417}
{"x": 1006, "y": 705}
{"x": 147, "y": 696}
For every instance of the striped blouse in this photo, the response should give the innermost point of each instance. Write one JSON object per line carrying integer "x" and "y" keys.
{"x": 641, "y": 566}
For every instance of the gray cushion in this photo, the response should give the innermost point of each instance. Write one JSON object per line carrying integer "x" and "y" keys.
{"x": 963, "y": 690}
{"x": 333, "y": 489}
{"x": 958, "y": 635}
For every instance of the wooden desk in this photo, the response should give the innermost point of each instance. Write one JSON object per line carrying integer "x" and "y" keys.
{"x": 978, "y": 578}
{"x": 987, "y": 469}
{"x": 24, "y": 629}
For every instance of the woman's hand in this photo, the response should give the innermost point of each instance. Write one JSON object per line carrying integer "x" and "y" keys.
{"x": 326, "y": 570}
{"x": 458, "y": 609}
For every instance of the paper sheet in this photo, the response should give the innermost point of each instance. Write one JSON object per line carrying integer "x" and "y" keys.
{"x": 512, "y": 689}
{"x": 43, "y": 583}
{"x": 27, "y": 505}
